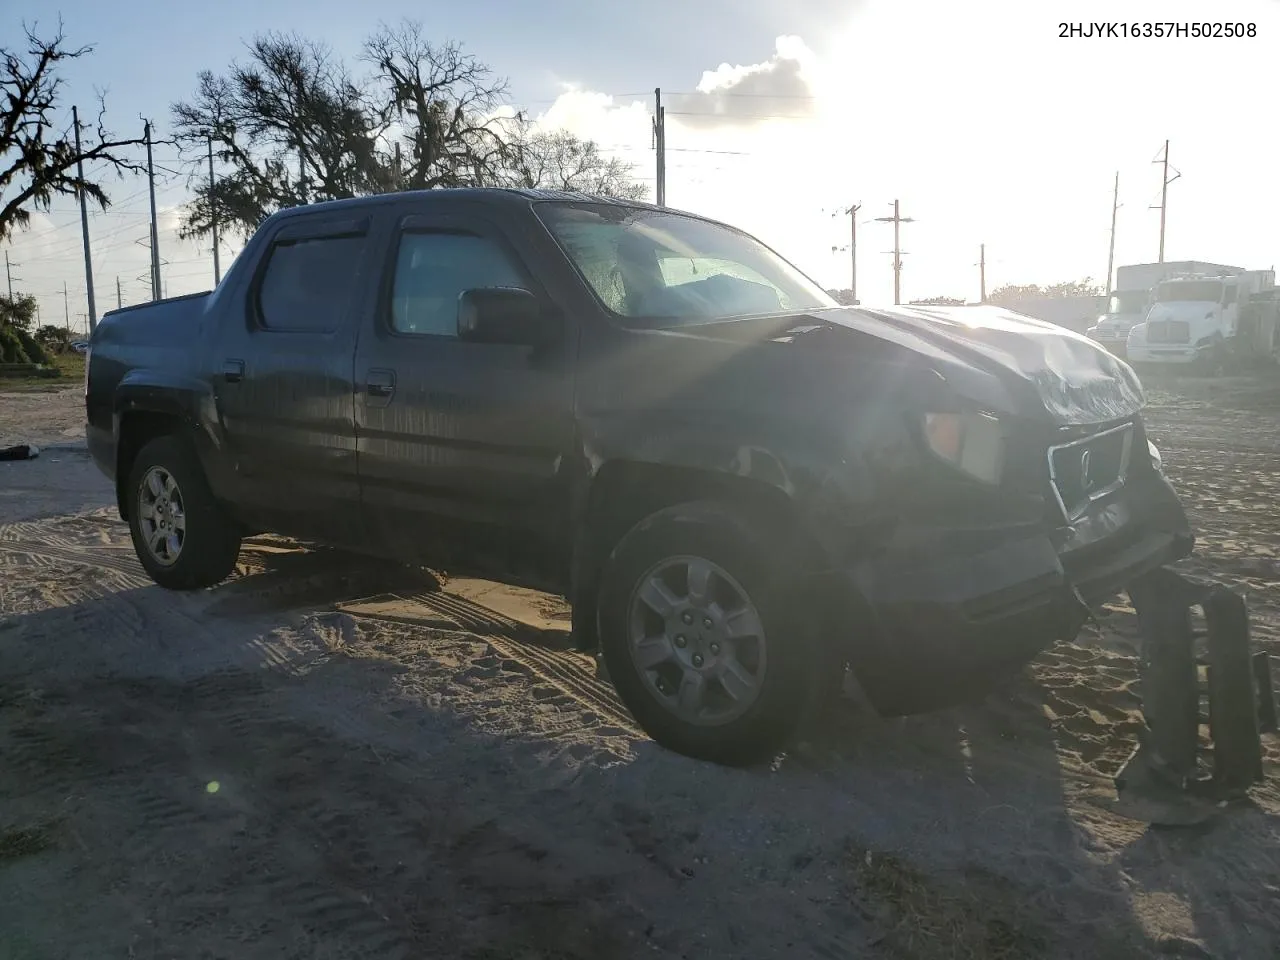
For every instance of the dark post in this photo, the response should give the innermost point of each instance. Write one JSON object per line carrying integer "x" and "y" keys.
{"x": 1233, "y": 702}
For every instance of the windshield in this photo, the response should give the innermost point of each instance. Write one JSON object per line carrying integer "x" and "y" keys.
{"x": 660, "y": 269}
{"x": 1189, "y": 291}
{"x": 1128, "y": 301}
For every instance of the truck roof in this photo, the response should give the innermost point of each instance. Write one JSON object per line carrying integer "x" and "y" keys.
{"x": 515, "y": 196}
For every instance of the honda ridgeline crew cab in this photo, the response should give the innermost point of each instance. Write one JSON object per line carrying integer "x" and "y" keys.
{"x": 742, "y": 487}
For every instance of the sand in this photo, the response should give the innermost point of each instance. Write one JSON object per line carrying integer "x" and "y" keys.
{"x": 332, "y": 758}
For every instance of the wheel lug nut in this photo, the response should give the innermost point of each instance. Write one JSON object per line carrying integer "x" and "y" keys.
{"x": 687, "y": 618}
{"x": 706, "y": 622}
{"x": 715, "y": 648}
{"x": 697, "y": 659}
{"x": 681, "y": 642}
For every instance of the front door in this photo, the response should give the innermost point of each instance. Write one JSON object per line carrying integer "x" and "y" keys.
{"x": 283, "y": 379}
{"x": 462, "y": 446}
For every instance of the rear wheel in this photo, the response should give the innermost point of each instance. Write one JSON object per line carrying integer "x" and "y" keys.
{"x": 180, "y": 534}
{"x": 700, "y": 637}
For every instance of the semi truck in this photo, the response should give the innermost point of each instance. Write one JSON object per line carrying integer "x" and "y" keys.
{"x": 1196, "y": 318}
{"x": 1132, "y": 296}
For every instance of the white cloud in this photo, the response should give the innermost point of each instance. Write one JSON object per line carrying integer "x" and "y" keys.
{"x": 990, "y": 128}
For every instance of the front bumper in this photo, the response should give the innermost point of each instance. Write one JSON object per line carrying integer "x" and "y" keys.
{"x": 943, "y": 615}
{"x": 1174, "y": 353}
{"x": 1116, "y": 346}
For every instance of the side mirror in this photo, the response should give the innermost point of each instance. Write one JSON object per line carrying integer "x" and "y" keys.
{"x": 503, "y": 315}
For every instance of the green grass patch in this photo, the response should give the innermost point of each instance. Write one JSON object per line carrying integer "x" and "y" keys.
{"x": 67, "y": 370}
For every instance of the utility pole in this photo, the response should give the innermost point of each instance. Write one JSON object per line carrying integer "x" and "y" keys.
{"x": 897, "y": 220}
{"x": 660, "y": 145}
{"x": 8, "y": 273}
{"x": 853, "y": 251}
{"x": 1111, "y": 253}
{"x": 213, "y": 216}
{"x": 155, "y": 234}
{"x": 982, "y": 273}
{"x": 66, "y": 306}
{"x": 119, "y": 299}
{"x": 1165, "y": 180}
{"x": 84, "y": 223}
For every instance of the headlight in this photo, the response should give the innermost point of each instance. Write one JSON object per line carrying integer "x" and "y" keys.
{"x": 972, "y": 442}
{"x": 1157, "y": 461}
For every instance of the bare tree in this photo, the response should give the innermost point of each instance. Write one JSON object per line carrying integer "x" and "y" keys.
{"x": 444, "y": 106}
{"x": 291, "y": 125}
{"x": 558, "y": 160}
{"x": 36, "y": 164}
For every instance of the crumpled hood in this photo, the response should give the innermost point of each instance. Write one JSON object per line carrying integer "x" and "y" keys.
{"x": 1042, "y": 371}
{"x": 1076, "y": 380}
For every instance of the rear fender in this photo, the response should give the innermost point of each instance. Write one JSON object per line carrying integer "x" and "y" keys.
{"x": 158, "y": 397}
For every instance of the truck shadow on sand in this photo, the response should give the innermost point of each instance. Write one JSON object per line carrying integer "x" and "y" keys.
{"x": 238, "y": 773}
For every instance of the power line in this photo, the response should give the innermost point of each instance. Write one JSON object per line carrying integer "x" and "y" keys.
{"x": 739, "y": 116}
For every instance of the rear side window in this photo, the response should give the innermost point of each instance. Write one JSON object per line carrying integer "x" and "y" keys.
{"x": 307, "y": 284}
{"x": 432, "y": 271}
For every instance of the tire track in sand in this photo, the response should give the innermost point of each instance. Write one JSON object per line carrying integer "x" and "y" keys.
{"x": 570, "y": 674}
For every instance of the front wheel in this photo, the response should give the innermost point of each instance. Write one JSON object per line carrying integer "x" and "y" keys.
{"x": 700, "y": 636}
{"x": 181, "y": 536}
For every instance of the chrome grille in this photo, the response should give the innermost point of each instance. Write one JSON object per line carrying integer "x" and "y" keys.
{"x": 1086, "y": 470}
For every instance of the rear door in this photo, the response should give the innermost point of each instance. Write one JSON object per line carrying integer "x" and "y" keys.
{"x": 463, "y": 446}
{"x": 283, "y": 379}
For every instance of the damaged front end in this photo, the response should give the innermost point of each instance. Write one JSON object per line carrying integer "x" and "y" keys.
{"x": 960, "y": 594}
{"x": 1030, "y": 499}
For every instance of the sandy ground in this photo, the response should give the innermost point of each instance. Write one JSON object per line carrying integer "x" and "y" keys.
{"x": 327, "y": 758}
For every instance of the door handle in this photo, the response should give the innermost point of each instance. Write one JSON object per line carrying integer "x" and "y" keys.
{"x": 380, "y": 385}
{"x": 233, "y": 370}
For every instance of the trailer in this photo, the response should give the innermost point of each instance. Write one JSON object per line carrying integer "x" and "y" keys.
{"x": 1131, "y": 297}
{"x": 1196, "y": 319}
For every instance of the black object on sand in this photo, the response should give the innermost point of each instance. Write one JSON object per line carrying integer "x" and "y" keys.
{"x": 23, "y": 451}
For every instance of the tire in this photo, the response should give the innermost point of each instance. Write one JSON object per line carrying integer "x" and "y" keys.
{"x": 202, "y": 544}
{"x": 745, "y": 655}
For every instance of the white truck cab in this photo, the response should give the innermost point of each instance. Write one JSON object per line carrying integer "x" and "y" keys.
{"x": 1124, "y": 309}
{"x": 1194, "y": 318}
{"x": 1131, "y": 296}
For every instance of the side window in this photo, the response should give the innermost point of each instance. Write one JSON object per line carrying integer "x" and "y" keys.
{"x": 1229, "y": 295}
{"x": 307, "y": 284}
{"x": 432, "y": 271}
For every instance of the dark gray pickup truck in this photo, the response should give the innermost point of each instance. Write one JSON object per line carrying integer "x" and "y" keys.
{"x": 742, "y": 487}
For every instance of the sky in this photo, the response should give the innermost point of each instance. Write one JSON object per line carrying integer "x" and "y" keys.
{"x": 987, "y": 126}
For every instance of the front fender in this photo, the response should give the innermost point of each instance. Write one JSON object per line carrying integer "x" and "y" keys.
{"x": 829, "y": 490}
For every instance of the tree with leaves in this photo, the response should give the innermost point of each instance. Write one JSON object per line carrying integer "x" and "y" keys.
{"x": 292, "y": 126}
{"x": 938, "y": 302}
{"x": 37, "y": 164}
{"x": 1015, "y": 293}
{"x": 17, "y": 317}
